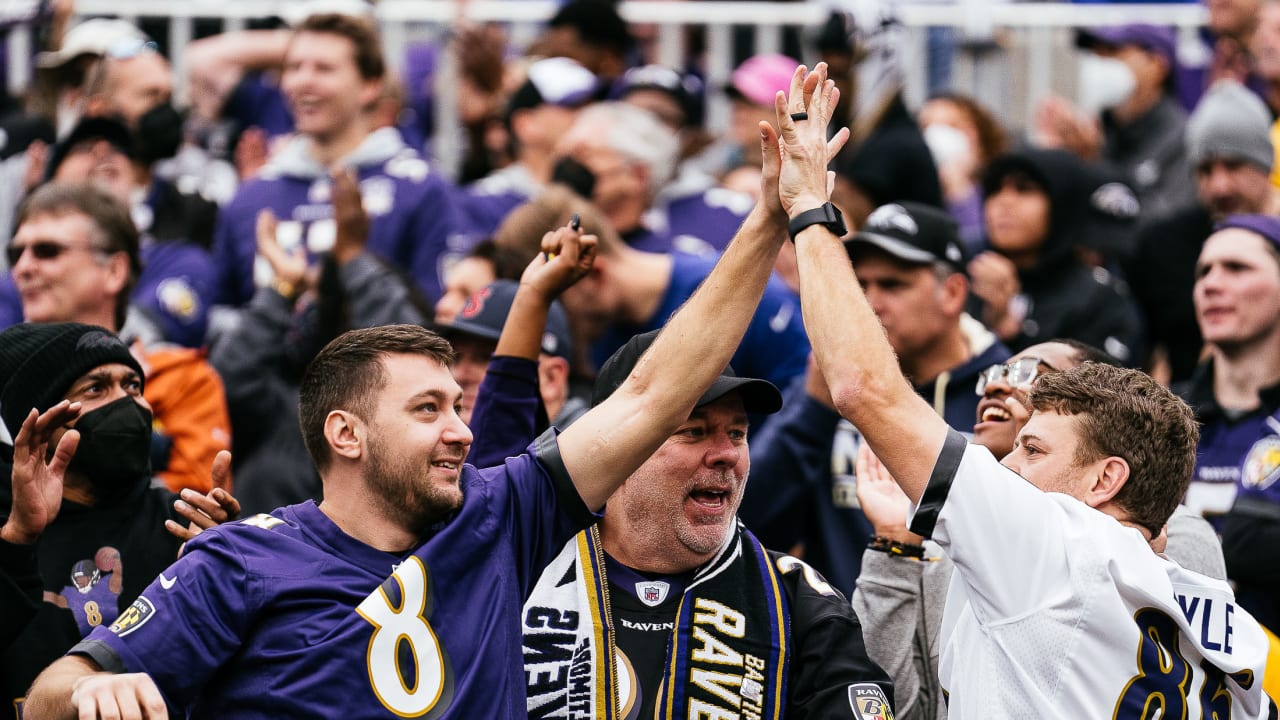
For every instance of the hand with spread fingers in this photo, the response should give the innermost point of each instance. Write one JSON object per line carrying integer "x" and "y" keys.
{"x": 213, "y": 508}
{"x": 288, "y": 265}
{"x": 37, "y": 481}
{"x": 804, "y": 115}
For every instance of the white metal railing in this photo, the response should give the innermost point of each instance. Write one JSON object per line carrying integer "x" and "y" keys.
{"x": 1018, "y": 61}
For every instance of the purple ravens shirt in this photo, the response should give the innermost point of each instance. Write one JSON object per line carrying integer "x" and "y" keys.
{"x": 411, "y": 224}
{"x": 284, "y": 615}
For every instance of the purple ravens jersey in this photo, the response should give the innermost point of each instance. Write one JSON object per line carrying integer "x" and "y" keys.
{"x": 411, "y": 218}
{"x": 284, "y": 615}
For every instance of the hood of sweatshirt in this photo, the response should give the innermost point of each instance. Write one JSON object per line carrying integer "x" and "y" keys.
{"x": 296, "y": 160}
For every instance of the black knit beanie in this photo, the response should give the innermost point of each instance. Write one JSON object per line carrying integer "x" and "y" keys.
{"x": 40, "y": 361}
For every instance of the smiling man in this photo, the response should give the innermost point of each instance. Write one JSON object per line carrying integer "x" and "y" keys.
{"x": 400, "y": 594}
{"x": 332, "y": 78}
{"x": 681, "y": 590}
{"x": 1237, "y": 302}
{"x": 1058, "y": 606}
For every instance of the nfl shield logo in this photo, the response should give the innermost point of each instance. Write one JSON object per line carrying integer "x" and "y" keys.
{"x": 652, "y": 592}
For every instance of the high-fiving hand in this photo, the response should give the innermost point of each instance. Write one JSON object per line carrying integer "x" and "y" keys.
{"x": 804, "y": 115}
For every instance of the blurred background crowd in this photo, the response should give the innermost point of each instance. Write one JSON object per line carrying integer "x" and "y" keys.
{"x": 1108, "y": 176}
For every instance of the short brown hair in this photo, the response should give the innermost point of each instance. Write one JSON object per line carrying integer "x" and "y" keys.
{"x": 348, "y": 374}
{"x": 110, "y": 218}
{"x": 367, "y": 48}
{"x": 1124, "y": 413}
{"x": 523, "y": 228}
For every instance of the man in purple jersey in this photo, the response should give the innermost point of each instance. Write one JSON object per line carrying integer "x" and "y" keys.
{"x": 257, "y": 618}
{"x": 332, "y": 79}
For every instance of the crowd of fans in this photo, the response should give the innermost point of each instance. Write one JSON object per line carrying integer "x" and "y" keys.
{"x": 208, "y": 253}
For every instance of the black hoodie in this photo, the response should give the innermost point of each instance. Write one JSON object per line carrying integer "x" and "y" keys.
{"x": 132, "y": 522}
{"x": 1065, "y": 297}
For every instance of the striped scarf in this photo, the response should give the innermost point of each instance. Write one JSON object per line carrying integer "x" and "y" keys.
{"x": 728, "y": 652}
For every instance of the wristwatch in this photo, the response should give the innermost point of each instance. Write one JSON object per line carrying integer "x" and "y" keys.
{"x": 827, "y": 215}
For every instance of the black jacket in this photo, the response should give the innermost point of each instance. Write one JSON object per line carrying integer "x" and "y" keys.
{"x": 132, "y": 523}
{"x": 1066, "y": 298}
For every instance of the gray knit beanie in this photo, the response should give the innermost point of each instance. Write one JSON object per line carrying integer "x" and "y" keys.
{"x": 1230, "y": 122}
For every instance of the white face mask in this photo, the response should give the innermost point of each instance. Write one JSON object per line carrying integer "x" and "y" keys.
{"x": 1104, "y": 83}
{"x": 947, "y": 144}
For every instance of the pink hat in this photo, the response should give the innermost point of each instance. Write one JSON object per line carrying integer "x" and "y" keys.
{"x": 759, "y": 78}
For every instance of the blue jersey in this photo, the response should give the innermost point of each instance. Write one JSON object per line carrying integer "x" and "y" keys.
{"x": 700, "y": 223}
{"x": 775, "y": 346}
{"x": 410, "y": 208}
{"x": 284, "y": 615}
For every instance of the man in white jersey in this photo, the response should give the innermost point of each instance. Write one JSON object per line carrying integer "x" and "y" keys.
{"x": 1058, "y": 607}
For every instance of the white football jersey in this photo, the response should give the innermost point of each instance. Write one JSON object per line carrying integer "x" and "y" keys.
{"x": 1056, "y": 610}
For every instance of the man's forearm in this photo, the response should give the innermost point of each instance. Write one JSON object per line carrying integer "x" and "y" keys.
{"x": 700, "y": 339}
{"x": 860, "y": 367}
{"x": 615, "y": 437}
{"x": 50, "y": 695}
{"x": 526, "y": 322}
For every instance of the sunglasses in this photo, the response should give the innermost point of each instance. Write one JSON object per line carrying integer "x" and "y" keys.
{"x": 45, "y": 250}
{"x": 1018, "y": 373}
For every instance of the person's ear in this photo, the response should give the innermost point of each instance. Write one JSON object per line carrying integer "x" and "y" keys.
{"x": 553, "y": 372}
{"x": 345, "y": 433}
{"x": 370, "y": 94}
{"x": 955, "y": 293}
{"x": 117, "y": 272}
{"x": 1110, "y": 476}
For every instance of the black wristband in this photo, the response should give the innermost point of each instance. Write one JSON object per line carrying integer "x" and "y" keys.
{"x": 826, "y": 215}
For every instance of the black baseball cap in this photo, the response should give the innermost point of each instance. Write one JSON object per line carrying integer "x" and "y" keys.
{"x": 486, "y": 312}
{"x": 912, "y": 232}
{"x": 685, "y": 89}
{"x": 88, "y": 129}
{"x": 758, "y": 396}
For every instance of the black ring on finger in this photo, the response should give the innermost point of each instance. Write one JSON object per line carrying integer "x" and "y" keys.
{"x": 798, "y": 116}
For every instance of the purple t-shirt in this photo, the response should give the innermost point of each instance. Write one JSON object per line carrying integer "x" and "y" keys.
{"x": 284, "y": 615}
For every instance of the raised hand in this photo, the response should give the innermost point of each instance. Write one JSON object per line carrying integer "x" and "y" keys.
{"x": 290, "y": 267}
{"x": 37, "y": 482}
{"x": 995, "y": 281}
{"x": 349, "y": 215}
{"x": 567, "y": 256}
{"x": 213, "y": 508}
{"x": 882, "y": 501}
{"x": 804, "y": 115}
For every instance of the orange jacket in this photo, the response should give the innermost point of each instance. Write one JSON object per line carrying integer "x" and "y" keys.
{"x": 190, "y": 408}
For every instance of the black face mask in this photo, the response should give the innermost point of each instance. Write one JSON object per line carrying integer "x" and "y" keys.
{"x": 575, "y": 175}
{"x": 115, "y": 445}
{"x": 158, "y": 135}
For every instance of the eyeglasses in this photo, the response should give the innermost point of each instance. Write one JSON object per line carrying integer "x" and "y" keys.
{"x": 1018, "y": 373}
{"x": 129, "y": 47}
{"x": 45, "y": 250}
